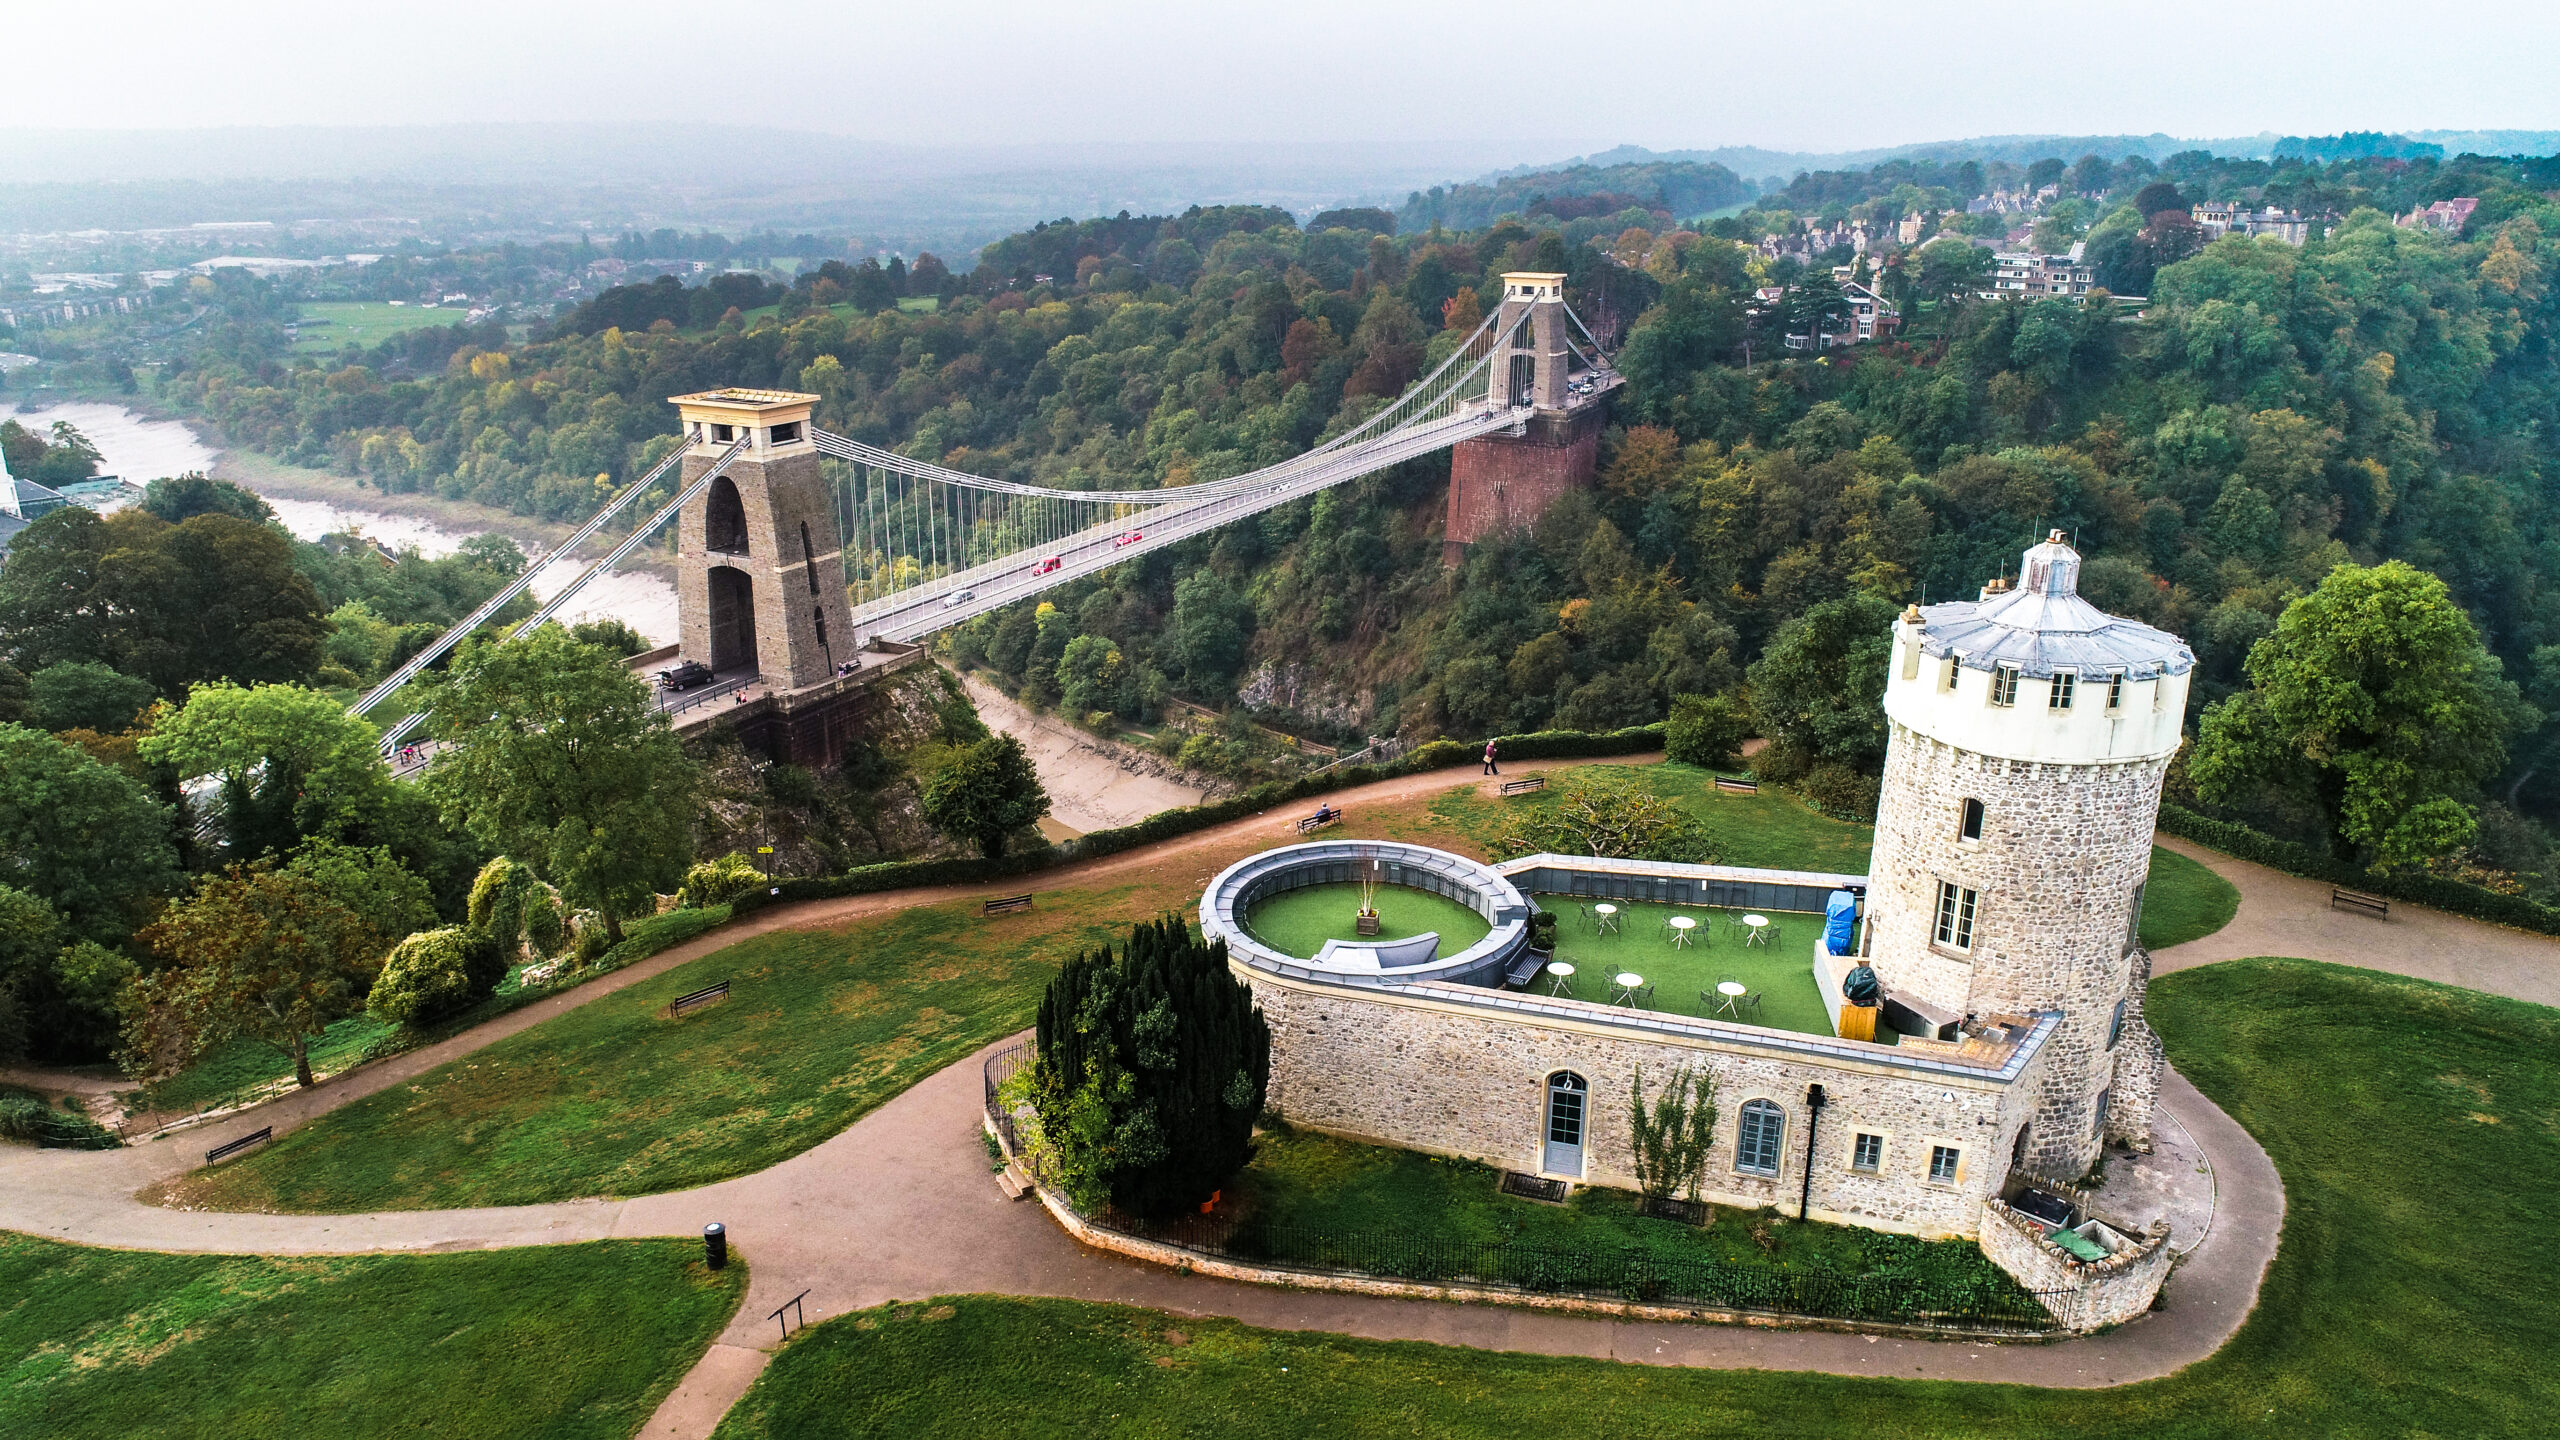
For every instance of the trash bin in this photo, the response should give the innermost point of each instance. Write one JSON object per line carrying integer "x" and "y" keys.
{"x": 715, "y": 1245}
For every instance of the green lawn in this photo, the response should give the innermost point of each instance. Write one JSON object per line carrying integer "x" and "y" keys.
{"x": 333, "y": 324}
{"x": 1299, "y": 922}
{"x": 556, "y": 1342}
{"x": 1321, "y": 1182}
{"x": 2184, "y": 901}
{"x": 614, "y": 1098}
{"x": 237, "y": 1072}
{"x": 1780, "y": 972}
{"x": 2414, "y": 1125}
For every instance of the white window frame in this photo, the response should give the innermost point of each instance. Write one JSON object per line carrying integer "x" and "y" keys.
{"x": 2004, "y": 685}
{"x": 2115, "y": 690}
{"x": 1959, "y": 910}
{"x": 1947, "y": 676}
{"x": 1953, "y": 1155}
{"x": 1857, "y": 1151}
{"x": 2060, "y": 689}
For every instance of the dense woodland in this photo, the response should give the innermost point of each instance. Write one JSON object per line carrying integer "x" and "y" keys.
{"x": 2238, "y": 460}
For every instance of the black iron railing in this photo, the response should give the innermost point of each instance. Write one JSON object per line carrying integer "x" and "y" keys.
{"x": 1984, "y": 1304}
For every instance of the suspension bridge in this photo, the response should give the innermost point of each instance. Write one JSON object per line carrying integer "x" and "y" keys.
{"x": 800, "y": 551}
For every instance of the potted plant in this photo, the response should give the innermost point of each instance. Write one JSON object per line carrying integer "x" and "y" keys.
{"x": 1367, "y": 922}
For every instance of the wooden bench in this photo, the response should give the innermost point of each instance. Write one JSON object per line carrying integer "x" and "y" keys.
{"x": 1524, "y": 785}
{"x": 2341, "y": 898}
{"x": 1314, "y": 823}
{"x": 1737, "y": 787}
{"x": 1007, "y": 905}
{"x": 703, "y": 996}
{"x": 234, "y": 1147}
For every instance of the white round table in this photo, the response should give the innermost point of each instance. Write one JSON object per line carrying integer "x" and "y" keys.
{"x": 1681, "y": 925}
{"x": 1559, "y": 978}
{"x": 1606, "y": 917}
{"x": 1755, "y": 929}
{"x": 1732, "y": 991}
{"x": 1629, "y": 982}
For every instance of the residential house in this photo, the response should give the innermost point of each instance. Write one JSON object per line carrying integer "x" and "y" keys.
{"x": 2447, "y": 216}
{"x": 2016, "y": 273}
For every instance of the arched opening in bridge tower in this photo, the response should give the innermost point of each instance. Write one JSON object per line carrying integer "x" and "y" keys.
{"x": 724, "y": 519}
{"x": 1524, "y": 378}
{"x": 733, "y": 618}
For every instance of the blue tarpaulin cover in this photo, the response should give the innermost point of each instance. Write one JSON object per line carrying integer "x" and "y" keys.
{"x": 1839, "y": 921}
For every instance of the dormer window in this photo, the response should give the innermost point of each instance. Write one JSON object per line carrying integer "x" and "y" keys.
{"x": 1947, "y": 674}
{"x": 2115, "y": 691}
{"x": 2004, "y": 685}
{"x": 2059, "y": 697}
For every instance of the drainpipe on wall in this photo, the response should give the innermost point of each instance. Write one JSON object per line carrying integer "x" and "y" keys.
{"x": 1812, "y": 1129}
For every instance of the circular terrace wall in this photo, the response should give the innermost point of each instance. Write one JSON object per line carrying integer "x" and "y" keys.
{"x": 1237, "y": 889}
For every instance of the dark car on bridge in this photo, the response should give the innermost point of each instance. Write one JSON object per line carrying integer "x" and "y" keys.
{"x": 685, "y": 676}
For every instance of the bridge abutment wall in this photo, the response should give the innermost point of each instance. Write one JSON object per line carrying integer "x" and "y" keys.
{"x": 1502, "y": 483}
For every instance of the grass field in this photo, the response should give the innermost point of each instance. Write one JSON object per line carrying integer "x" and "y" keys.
{"x": 238, "y": 1071}
{"x": 2414, "y": 1125}
{"x": 335, "y": 324}
{"x": 1299, "y": 922}
{"x": 2183, "y": 901}
{"x": 560, "y": 1342}
{"x": 1325, "y": 1183}
{"x": 613, "y": 1098}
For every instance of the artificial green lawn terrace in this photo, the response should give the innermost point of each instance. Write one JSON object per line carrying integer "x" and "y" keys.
{"x": 1780, "y": 972}
{"x": 2413, "y": 1123}
{"x": 575, "y": 1342}
{"x": 1299, "y": 922}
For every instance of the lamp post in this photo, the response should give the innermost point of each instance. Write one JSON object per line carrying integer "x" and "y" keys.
{"x": 1813, "y": 1100}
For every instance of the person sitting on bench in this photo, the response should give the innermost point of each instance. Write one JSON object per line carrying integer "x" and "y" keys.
{"x": 1326, "y": 814}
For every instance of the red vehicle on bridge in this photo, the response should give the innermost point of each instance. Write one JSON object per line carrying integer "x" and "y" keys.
{"x": 1045, "y": 567}
{"x": 1132, "y": 538}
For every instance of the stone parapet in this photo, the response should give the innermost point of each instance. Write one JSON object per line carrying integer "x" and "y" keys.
{"x": 2084, "y": 1295}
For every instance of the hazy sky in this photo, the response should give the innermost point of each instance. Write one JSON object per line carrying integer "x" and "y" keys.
{"x": 1560, "y": 76}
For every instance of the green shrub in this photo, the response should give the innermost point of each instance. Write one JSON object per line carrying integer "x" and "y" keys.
{"x": 715, "y": 882}
{"x": 1781, "y": 762}
{"x": 1841, "y": 793}
{"x": 427, "y": 977}
{"x": 1706, "y": 730}
{"x": 515, "y": 908}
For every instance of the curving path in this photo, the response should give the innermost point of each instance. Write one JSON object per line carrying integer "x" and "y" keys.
{"x": 902, "y": 1205}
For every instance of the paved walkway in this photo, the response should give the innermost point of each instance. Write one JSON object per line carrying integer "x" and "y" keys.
{"x": 901, "y": 1205}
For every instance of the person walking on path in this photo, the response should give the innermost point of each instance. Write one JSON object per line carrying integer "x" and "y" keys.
{"x": 1490, "y": 768}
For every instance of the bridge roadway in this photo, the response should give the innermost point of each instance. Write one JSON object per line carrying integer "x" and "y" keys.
{"x": 920, "y": 610}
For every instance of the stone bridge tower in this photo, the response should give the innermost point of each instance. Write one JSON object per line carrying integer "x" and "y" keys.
{"x": 759, "y": 566}
{"x": 2029, "y": 732}
{"x": 1504, "y": 482}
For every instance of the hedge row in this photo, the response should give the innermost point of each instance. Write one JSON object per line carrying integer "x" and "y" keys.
{"x": 1169, "y": 824}
{"x": 2430, "y": 890}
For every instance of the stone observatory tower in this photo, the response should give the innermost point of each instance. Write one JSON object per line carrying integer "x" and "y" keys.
{"x": 2029, "y": 734}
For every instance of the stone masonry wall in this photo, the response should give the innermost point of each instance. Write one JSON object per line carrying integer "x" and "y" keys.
{"x": 2084, "y": 1295}
{"x": 1399, "y": 1068}
{"x": 1499, "y": 484}
{"x": 2063, "y": 854}
{"x": 803, "y": 623}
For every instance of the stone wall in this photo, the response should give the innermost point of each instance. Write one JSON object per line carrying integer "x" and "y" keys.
{"x": 2084, "y": 1295}
{"x": 1502, "y": 483}
{"x": 1436, "y": 1068}
{"x": 2059, "y": 867}
{"x": 794, "y": 562}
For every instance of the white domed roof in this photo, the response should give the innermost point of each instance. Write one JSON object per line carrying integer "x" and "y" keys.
{"x": 2043, "y": 626}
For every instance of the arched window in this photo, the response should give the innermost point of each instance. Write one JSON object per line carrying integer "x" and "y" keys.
{"x": 1763, "y": 1132}
{"x": 809, "y": 558}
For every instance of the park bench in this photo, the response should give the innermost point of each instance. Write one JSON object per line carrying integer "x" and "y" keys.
{"x": 1737, "y": 787}
{"x": 1524, "y": 785}
{"x": 234, "y": 1147}
{"x": 1008, "y": 905}
{"x": 703, "y": 996}
{"x": 1526, "y": 968}
{"x": 2341, "y": 898}
{"x": 1314, "y": 823}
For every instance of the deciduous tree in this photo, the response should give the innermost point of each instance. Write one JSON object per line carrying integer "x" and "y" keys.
{"x": 984, "y": 792}
{"x": 257, "y": 951}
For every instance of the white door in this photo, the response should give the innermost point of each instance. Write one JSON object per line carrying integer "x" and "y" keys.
{"x": 1567, "y": 1103}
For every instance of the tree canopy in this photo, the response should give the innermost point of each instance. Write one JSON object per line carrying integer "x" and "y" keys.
{"x": 983, "y": 792}
{"x": 85, "y": 838}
